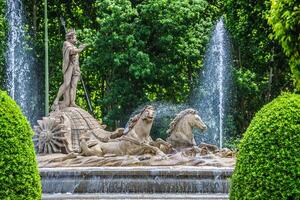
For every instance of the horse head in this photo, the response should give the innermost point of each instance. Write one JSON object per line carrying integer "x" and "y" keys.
{"x": 195, "y": 121}
{"x": 148, "y": 114}
{"x": 146, "y": 117}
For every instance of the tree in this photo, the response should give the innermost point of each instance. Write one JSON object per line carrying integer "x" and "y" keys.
{"x": 284, "y": 18}
{"x": 175, "y": 35}
{"x": 260, "y": 67}
{"x": 149, "y": 50}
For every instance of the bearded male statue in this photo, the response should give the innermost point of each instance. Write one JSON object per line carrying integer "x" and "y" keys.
{"x": 71, "y": 72}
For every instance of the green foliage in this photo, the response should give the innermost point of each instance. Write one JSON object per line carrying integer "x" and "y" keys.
{"x": 2, "y": 41}
{"x": 268, "y": 160}
{"x": 117, "y": 59}
{"x": 175, "y": 34}
{"x": 139, "y": 50}
{"x": 150, "y": 50}
{"x": 261, "y": 69}
{"x": 19, "y": 176}
{"x": 284, "y": 18}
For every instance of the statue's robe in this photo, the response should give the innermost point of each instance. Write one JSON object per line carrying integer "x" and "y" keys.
{"x": 70, "y": 69}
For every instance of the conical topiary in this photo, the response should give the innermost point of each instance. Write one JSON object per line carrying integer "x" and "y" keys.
{"x": 19, "y": 176}
{"x": 268, "y": 161}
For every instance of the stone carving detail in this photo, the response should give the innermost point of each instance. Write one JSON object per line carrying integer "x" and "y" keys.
{"x": 65, "y": 127}
{"x": 135, "y": 140}
{"x": 50, "y": 134}
{"x": 72, "y": 137}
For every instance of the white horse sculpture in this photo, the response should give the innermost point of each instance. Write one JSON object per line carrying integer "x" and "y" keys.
{"x": 180, "y": 129}
{"x": 135, "y": 141}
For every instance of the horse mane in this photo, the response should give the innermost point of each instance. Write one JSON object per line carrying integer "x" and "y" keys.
{"x": 178, "y": 117}
{"x": 133, "y": 120}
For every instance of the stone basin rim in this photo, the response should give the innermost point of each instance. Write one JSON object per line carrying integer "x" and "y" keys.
{"x": 138, "y": 168}
{"x": 174, "y": 171}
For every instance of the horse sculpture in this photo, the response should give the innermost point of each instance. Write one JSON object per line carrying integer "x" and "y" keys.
{"x": 180, "y": 129}
{"x": 134, "y": 141}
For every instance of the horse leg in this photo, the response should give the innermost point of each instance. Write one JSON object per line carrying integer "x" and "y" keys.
{"x": 163, "y": 146}
{"x": 153, "y": 149}
{"x": 94, "y": 151}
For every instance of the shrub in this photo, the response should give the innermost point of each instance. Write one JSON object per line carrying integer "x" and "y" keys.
{"x": 269, "y": 154}
{"x": 19, "y": 176}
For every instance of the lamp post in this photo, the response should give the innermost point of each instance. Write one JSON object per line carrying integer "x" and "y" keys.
{"x": 46, "y": 61}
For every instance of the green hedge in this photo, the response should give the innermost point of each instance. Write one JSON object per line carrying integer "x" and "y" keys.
{"x": 268, "y": 162}
{"x": 19, "y": 176}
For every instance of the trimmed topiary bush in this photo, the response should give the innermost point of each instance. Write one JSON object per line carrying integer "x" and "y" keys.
{"x": 268, "y": 162}
{"x": 19, "y": 176}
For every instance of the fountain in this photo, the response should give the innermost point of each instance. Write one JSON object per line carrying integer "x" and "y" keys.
{"x": 21, "y": 71}
{"x": 212, "y": 97}
{"x": 78, "y": 158}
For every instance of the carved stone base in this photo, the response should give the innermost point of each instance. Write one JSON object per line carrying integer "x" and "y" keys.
{"x": 178, "y": 159}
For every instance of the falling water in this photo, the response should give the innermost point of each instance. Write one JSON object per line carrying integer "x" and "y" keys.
{"x": 211, "y": 98}
{"x": 22, "y": 80}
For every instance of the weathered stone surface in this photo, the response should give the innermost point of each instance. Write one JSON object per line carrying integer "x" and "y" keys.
{"x": 178, "y": 159}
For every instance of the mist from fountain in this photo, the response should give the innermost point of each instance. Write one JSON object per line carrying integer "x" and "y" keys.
{"x": 212, "y": 96}
{"x": 22, "y": 76}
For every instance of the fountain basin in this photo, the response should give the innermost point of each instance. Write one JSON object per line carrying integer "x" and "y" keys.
{"x": 136, "y": 180}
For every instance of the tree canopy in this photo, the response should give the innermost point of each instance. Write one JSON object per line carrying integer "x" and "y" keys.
{"x": 142, "y": 50}
{"x": 284, "y": 18}
{"x": 149, "y": 51}
{"x": 260, "y": 66}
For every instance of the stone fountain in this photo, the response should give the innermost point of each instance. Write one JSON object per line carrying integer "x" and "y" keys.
{"x": 79, "y": 159}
